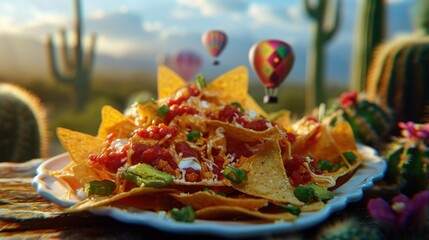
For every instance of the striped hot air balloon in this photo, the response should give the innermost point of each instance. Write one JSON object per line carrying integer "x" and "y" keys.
{"x": 186, "y": 63}
{"x": 214, "y": 41}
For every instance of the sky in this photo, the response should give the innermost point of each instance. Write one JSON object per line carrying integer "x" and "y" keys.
{"x": 135, "y": 33}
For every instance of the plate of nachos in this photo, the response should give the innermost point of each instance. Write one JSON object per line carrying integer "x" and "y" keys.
{"x": 205, "y": 158}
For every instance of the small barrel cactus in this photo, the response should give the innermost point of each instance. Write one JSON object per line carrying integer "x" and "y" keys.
{"x": 408, "y": 159}
{"x": 399, "y": 78}
{"x": 371, "y": 124}
{"x": 348, "y": 229}
{"x": 23, "y": 126}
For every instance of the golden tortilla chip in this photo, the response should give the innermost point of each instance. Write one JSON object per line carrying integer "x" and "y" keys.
{"x": 112, "y": 120}
{"x": 232, "y": 86}
{"x": 251, "y": 104}
{"x": 168, "y": 82}
{"x": 98, "y": 201}
{"x": 245, "y": 134}
{"x": 206, "y": 199}
{"x": 266, "y": 175}
{"x": 319, "y": 144}
{"x": 238, "y": 213}
{"x": 79, "y": 145}
{"x": 342, "y": 134}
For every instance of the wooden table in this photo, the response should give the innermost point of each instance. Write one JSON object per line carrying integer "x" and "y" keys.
{"x": 25, "y": 214}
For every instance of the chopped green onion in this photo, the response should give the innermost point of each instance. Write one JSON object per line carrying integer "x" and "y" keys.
{"x": 201, "y": 82}
{"x": 323, "y": 165}
{"x": 235, "y": 175}
{"x": 101, "y": 188}
{"x": 144, "y": 175}
{"x": 193, "y": 135}
{"x": 237, "y": 104}
{"x": 304, "y": 194}
{"x": 350, "y": 156}
{"x": 163, "y": 110}
{"x": 186, "y": 214}
{"x": 292, "y": 209}
{"x": 338, "y": 166}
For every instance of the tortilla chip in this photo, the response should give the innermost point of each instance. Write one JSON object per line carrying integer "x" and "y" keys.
{"x": 232, "y": 86}
{"x": 342, "y": 134}
{"x": 266, "y": 175}
{"x": 313, "y": 207}
{"x": 155, "y": 202}
{"x": 245, "y": 134}
{"x": 319, "y": 145}
{"x": 98, "y": 201}
{"x": 206, "y": 199}
{"x": 111, "y": 119}
{"x": 238, "y": 213}
{"x": 79, "y": 145}
{"x": 251, "y": 104}
{"x": 86, "y": 174}
{"x": 168, "y": 82}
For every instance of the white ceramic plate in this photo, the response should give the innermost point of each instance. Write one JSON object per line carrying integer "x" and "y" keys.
{"x": 372, "y": 169}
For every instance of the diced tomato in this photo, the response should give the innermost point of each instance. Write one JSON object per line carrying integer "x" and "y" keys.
{"x": 217, "y": 169}
{"x": 237, "y": 148}
{"x": 192, "y": 91}
{"x": 257, "y": 125}
{"x": 157, "y": 132}
{"x": 298, "y": 178}
{"x": 152, "y": 156}
{"x": 109, "y": 158}
{"x": 178, "y": 110}
{"x": 291, "y": 136}
{"x": 228, "y": 113}
{"x": 296, "y": 171}
{"x": 192, "y": 175}
{"x": 186, "y": 150}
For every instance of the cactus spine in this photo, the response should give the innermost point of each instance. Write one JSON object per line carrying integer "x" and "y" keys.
{"x": 77, "y": 65}
{"x": 23, "y": 126}
{"x": 399, "y": 78}
{"x": 326, "y": 16}
{"x": 370, "y": 33}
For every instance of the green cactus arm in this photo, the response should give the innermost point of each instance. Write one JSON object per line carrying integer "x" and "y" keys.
{"x": 65, "y": 51}
{"x": 52, "y": 61}
{"x": 89, "y": 57}
{"x": 370, "y": 34}
{"x": 335, "y": 22}
{"x": 78, "y": 36}
{"x": 312, "y": 10}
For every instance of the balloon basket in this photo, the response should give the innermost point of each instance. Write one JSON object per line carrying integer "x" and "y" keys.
{"x": 270, "y": 99}
{"x": 215, "y": 62}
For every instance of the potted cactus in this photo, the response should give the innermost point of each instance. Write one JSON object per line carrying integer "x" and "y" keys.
{"x": 23, "y": 125}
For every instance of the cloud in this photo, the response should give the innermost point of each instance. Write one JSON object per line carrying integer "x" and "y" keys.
{"x": 281, "y": 17}
{"x": 211, "y": 8}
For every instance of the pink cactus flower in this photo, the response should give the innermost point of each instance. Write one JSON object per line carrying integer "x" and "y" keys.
{"x": 414, "y": 130}
{"x": 402, "y": 213}
{"x": 348, "y": 99}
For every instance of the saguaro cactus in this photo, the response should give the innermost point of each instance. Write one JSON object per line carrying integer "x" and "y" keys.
{"x": 370, "y": 33}
{"x": 77, "y": 66}
{"x": 23, "y": 126}
{"x": 326, "y": 16}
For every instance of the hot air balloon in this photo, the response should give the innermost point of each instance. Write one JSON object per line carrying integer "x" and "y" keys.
{"x": 186, "y": 63}
{"x": 271, "y": 61}
{"x": 214, "y": 41}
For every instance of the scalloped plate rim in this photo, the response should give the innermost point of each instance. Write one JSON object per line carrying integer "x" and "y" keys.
{"x": 365, "y": 176}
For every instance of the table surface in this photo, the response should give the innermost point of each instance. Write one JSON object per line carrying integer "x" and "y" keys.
{"x": 25, "y": 214}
